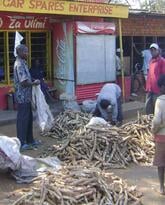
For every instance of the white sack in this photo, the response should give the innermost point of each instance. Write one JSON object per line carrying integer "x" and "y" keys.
{"x": 44, "y": 115}
{"x": 24, "y": 168}
{"x": 10, "y": 156}
{"x": 97, "y": 121}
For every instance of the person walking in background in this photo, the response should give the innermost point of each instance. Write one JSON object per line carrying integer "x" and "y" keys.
{"x": 23, "y": 96}
{"x": 158, "y": 129}
{"x": 118, "y": 62}
{"x": 109, "y": 98}
{"x": 156, "y": 69}
{"x": 146, "y": 54}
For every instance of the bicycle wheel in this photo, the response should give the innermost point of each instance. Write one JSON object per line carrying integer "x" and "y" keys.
{"x": 136, "y": 85}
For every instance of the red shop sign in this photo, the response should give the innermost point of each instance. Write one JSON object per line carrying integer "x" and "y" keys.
{"x": 22, "y": 22}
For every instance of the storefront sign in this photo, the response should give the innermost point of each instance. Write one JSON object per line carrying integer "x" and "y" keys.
{"x": 21, "y": 22}
{"x": 64, "y": 8}
{"x": 94, "y": 1}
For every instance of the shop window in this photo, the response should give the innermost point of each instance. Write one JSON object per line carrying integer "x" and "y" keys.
{"x": 39, "y": 47}
{"x": 39, "y": 50}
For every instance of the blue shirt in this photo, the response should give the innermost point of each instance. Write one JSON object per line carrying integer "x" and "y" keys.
{"x": 21, "y": 73}
{"x": 110, "y": 92}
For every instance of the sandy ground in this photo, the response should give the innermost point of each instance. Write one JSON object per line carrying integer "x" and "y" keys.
{"x": 144, "y": 177}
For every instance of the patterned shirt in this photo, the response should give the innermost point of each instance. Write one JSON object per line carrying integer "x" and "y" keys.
{"x": 21, "y": 73}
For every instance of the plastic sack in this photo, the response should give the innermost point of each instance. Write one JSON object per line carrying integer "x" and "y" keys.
{"x": 23, "y": 168}
{"x": 10, "y": 156}
{"x": 97, "y": 121}
{"x": 69, "y": 102}
{"x": 71, "y": 105}
{"x": 44, "y": 116}
{"x": 89, "y": 105}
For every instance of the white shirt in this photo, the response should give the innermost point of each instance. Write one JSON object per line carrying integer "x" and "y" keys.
{"x": 118, "y": 63}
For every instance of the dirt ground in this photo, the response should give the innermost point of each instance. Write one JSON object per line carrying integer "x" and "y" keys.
{"x": 144, "y": 177}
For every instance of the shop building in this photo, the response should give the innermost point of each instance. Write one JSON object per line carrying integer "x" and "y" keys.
{"x": 73, "y": 43}
{"x": 139, "y": 31}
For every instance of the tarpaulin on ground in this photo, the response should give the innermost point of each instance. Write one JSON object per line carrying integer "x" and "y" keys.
{"x": 23, "y": 168}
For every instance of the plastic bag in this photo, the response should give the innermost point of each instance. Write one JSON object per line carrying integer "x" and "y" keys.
{"x": 97, "y": 121}
{"x": 71, "y": 105}
{"x": 10, "y": 156}
{"x": 23, "y": 168}
{"x": 44, "y": 116}
{"x": 89, "y": 105}
{"x": 69, "y": 102}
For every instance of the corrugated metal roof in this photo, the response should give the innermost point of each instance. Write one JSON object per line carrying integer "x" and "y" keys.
{"x": 141, "y": 12}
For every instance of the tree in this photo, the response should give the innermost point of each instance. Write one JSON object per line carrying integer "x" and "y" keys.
{"x": 131, "y": 3}
{"x": 153, "y": 5}
{"x": 149, "y": 5}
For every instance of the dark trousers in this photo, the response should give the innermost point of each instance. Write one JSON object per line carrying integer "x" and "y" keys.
{"x": 150, "y": 102}
{"x": 120, "y": 111}
{"x": 25, "y": 123}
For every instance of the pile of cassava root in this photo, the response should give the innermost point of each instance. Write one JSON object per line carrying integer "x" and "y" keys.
{"x": 80, "y": 186}
{"x": 107, "y": 146}
{"x": 66, "y": 123}
{"x": 85, "y": 152}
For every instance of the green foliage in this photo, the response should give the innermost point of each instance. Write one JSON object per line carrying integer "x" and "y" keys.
{"x": 153, "y": 5}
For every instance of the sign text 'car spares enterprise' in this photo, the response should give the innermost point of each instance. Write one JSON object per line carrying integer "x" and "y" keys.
{"x": 58, "y": 5}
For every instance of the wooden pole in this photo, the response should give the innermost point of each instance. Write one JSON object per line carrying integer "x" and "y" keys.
{"x": 121, "y": 57}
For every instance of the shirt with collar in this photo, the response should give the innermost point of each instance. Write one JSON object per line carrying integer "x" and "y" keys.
{"x": 21, "y": 73}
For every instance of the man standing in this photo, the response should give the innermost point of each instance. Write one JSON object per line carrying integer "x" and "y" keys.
{"x": 156, "y": 69}
{"x": 110, "y": 97}
{"x": 23, "y": 95}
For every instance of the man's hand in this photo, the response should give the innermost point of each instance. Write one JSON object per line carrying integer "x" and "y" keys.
{"x": 36, "y": 82}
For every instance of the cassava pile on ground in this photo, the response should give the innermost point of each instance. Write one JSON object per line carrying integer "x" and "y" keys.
{"x": 66, "y": 123}
{"x": 103, "y": 146}
{"x": 108, "y": 147}
{"x": 79, "y": 186}
{"x": 140, "y": 139}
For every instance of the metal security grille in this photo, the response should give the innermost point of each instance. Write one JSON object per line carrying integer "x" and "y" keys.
{"x": 39, "y": 44}
{"x": 2, "y": 57}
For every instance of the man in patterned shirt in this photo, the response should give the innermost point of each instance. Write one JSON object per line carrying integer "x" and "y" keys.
{"x": 23, "y": 95}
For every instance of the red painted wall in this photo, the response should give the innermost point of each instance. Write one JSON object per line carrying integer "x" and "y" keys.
{"x": 3, "y": 97}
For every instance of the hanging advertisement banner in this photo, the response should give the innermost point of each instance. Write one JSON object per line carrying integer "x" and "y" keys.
{"x": 95, "y": 27}
{"x": 22, "y": 22}
{"x": 65, "y": 8}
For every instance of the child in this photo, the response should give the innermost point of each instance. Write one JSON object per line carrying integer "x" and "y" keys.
{"x": 158, "y": 129}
